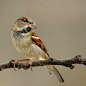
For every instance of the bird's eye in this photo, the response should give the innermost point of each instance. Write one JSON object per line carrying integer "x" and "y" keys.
{"x": 25, "y": 21}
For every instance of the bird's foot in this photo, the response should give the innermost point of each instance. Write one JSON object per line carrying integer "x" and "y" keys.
{"x": 16, "y": 61}
{"x": 31, "y": 65}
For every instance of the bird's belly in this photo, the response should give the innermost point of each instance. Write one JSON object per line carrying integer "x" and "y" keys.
{"x": 33, "y": 52}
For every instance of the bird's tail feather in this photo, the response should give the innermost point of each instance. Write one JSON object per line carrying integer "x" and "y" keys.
{"x": 56, "y": 72}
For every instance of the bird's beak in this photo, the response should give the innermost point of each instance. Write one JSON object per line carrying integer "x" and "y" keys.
{"x": 33, "y": 26}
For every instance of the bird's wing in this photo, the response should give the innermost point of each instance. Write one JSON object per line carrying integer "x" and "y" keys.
{"x": 38, "y": 42}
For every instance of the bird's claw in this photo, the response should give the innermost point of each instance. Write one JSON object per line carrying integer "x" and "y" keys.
{"x": 31, "y": 65}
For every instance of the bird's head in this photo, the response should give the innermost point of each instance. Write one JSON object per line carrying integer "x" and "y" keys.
{"x": 24, "y": 26}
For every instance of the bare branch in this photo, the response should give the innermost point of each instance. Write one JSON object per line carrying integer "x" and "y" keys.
{"x": 64, "y": 62}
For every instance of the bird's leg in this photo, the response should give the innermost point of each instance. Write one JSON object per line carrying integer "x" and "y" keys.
{"x": 15, "y": 62}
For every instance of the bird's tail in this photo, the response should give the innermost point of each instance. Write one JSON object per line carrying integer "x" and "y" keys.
{"x": 56, "y": 72}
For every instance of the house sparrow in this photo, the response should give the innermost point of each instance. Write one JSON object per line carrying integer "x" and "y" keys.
{"x": 28, "y": 44}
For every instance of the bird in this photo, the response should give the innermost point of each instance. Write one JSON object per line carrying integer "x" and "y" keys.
{"x": 28, "y": 43}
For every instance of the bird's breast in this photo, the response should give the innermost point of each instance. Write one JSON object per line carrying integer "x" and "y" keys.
{"x": 30, "y": 50}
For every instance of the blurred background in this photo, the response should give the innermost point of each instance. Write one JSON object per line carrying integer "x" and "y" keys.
{"x": 61, "y": 24}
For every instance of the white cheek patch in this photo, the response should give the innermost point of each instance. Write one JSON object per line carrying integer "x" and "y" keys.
{"x": 26, "y": 26}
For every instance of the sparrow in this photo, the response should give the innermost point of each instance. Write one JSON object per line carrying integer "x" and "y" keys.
{"x": 29, "y": 45}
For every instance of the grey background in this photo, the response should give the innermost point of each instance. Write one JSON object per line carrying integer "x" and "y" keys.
{"x": 61, "y": 24}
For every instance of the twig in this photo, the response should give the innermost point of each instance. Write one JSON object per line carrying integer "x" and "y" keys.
{"x": 64, "y": 62}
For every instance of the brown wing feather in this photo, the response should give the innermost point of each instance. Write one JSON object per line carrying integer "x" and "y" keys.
{"x": 39, "y": 43}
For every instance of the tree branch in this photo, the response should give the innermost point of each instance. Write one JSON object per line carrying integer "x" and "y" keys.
{"x": 64, "y": 62}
